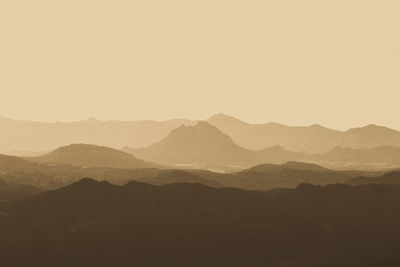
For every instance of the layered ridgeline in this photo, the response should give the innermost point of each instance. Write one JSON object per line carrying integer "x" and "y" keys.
{"x": 260, "y": 177}
{"x": 25, "y": 138}
{"x": 205, "y": 145}
{"x": 101, "y": 224}
{"x": 378, "y": 156}
{"x": 68, "y": 164}
{"x": 313, "y": 139}
{"x": 31, "y": 138}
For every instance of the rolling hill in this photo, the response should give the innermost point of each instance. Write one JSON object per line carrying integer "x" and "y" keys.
{"x": 93, "y": 156}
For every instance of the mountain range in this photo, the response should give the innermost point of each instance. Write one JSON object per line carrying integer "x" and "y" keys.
{"x": 27, "y": 138}
{"x": 205, "y": 146}
{"x": 71, "y": 163}
{"x": 314, "y": 139}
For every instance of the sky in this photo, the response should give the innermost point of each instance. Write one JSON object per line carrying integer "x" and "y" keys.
{"x": 298, "y": 62}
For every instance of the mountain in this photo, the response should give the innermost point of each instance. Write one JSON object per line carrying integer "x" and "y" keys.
{"x": 39, "y": 136}
{"x": 204, "y": 144}
{"x": 27, "y": 138}
{"x": 313, "y": 139}
{"x": 93, "y": 156}
{"x": 370, "y": 136}
{"x": 195, "y": 145}
{"x": 88, "y": 162}
{"x": 101, "y": 224}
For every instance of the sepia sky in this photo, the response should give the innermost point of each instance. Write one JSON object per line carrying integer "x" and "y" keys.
{"x": 298, "y": 62}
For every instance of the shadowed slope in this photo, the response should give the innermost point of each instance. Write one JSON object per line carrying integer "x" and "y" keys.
{"x": 100, "y": 224}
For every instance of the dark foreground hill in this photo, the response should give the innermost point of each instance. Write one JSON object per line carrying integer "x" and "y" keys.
{"x": 92, "y": 223}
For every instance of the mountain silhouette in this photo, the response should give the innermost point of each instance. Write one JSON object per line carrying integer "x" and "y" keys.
{"x": 313, "y": 139}
{"x": 39, "y": 136}
{"x": 92, "y": 223}
{"x": 195, "y": 146}
{"x": 26, "y": 138}
{"x": 204, "y": 144}
{"x": 370, "y": 136}
{"x": 93, "y": 156}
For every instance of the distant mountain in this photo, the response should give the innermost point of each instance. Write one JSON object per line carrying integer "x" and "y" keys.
{"x": 91, "y": 223}
{"x": 379, "y": 157}
{"x": 314, "y": 139}
{"x": 370, "y": 136}
{"x": 93, "y": 156}
{"x": 204, "y": 144}
{"x": 38, "y": 136}
{"x": 26, "y": 138}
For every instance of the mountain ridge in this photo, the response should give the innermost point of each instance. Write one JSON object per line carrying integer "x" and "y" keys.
{"x": 86, "y": 155}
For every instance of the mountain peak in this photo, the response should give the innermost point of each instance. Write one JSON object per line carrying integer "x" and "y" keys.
{"x": 223, "y": 118}
{"x": 91, "y": 119}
